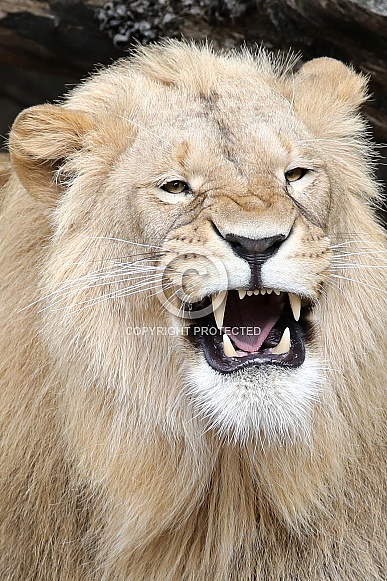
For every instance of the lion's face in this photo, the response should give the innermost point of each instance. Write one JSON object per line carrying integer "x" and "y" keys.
{"x": 242, "y": 223}
{"x": 230, "y": 191}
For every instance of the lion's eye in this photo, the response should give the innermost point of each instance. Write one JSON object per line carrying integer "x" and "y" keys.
{"x": 295, "y": 174}
{"x": 175, "y": 187}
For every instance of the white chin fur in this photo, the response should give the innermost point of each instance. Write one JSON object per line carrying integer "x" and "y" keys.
{"x": 267, "y": 404}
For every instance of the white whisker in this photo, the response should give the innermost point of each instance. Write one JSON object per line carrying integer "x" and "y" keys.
{"x": 362, "y": 253}
{"x": 358, "y": 266}
{"x": 118, "y": 259}
{"x": 145, "y": 129}
{"x": 135, "y": 289}
{"x": 74, "y": 284}
{"x": 113, "y": 239}
{"x": 72, "y": 291}
{"x": 360, "y": 282}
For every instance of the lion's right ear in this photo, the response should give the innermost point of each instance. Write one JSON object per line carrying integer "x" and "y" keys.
{"x": 41, "y": 138}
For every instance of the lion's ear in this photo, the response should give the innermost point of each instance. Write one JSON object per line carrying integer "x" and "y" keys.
{"x": 41, "y": 138}
{"x": 326, "y": 94}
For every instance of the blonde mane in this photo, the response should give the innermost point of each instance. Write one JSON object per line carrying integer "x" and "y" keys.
{"x": 112, "y": 466}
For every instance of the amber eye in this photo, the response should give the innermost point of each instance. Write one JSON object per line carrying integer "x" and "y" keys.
{"x": 295, "y": 174}
{"x": 175, "y": 187}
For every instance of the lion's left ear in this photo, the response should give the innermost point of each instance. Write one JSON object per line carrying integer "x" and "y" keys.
{"x": 327, "y": 94}
{"x": 41, "y": 138}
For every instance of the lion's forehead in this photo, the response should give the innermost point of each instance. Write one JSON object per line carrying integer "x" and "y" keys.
{"x": 241, "y": 112}
{"x": 247, "y": 117}
{"x": 211, "y": 140}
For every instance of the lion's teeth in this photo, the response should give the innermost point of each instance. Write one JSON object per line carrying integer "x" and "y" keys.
{"x": 242, "y": 293}
{"x": 256, "y": 292}
{"x": 269, "y": 291}
{"x": 228, "y": 347}
{"x": 295, "y": 303}
{"x": 284, "y": 345}
{"x": 249, "y": 293}
{"x": 218, "y": 306}
{"x": 263, "y": 291}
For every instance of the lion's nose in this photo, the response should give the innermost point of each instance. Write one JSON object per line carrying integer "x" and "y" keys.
{"x": 255, "y": 250}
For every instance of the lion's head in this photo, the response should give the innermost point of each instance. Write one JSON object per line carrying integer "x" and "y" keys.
{"x": 211, "y": 268}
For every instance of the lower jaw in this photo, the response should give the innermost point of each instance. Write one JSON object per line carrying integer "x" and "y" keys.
{"x": 210, "y": 342}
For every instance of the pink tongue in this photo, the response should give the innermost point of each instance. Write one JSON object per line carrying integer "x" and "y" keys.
{"x": 248, "y": 321}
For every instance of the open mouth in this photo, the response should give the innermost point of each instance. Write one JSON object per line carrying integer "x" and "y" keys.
{"x": 253, "y": 327}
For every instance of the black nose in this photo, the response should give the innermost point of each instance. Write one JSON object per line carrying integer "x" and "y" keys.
{"x": 255, "y": 250}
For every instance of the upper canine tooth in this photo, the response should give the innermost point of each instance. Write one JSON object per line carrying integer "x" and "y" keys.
{"x": 218, "y": 306}
{"x": 295, "y": 303}
{"x": 242, "y": 293}
{"x": 228, "y": 347}
{"x": 284, "y": 345}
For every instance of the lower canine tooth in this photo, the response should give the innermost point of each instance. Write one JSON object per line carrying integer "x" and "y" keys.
{"x": 284, "y": 345}
{"x": 295, "y": 303}
{"x": 228, "y": 347}
{"x": 218, "y": 306}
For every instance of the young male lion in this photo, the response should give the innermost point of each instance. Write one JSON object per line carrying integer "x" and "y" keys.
{"x": 193, "y": 345}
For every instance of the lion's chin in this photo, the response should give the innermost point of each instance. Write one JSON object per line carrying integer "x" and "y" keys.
{"x": 267, "y": 403}
{"x": 253, "y": 372}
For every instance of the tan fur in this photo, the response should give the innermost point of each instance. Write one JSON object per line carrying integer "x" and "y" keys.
{"x": 112, "y": 466}
{"x": 5, "y": 172}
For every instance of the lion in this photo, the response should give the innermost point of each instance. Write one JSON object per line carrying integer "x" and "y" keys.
{"x": 193, "y": 352}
